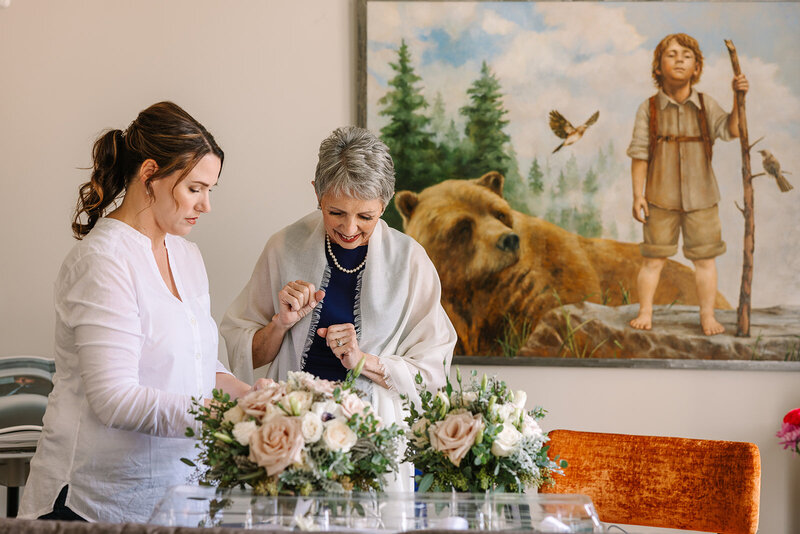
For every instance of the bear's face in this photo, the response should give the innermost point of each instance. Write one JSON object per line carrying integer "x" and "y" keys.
{"x": 464, "y": 225}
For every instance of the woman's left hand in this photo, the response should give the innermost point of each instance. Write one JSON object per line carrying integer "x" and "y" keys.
{"x": 342, "y": 340}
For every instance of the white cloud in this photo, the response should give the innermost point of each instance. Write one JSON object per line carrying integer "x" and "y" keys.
{"x": 588, "y": 27}
{"x": 494, "y": 24}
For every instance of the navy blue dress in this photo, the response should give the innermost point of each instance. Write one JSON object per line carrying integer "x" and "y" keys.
{"x": 338, "y": 307}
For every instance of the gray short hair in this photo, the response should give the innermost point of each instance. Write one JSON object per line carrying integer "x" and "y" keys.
{"x": 354, "y": 162}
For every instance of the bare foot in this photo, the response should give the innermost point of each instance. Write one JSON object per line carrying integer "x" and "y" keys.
{"x": 711, "y": 327}
{"x": 644, "y": 321}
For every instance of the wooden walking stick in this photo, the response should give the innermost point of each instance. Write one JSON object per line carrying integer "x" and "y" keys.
{"x": 743, "y": 312}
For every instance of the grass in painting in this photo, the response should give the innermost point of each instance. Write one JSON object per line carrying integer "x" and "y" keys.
{"x": 515, "y": 334}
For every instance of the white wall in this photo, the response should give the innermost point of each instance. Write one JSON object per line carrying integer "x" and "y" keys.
{"x": 270, "y": 79}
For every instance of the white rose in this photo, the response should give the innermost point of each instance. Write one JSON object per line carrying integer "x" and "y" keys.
{"x": 311, "y": 427}
{"x": 468, "y": 397}
{"x": 505, "y": 413}
{"x": 329, "y": 407}
{"x": 530, "y": 428}
{"x": 234, "y": 415}
{"x": 520, "y": 397}
{"x": 506, "y": 441}
{"x": 419, "y": 432}
{"x": 299, "y": 401}
{"x": 242, "y": 431}
{"x": 337, "y": 436}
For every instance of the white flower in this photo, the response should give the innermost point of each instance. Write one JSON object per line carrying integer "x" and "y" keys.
{"x": 505, "y": 413}
{"x": 337, "y": 436}
{"x": 419, "y": 432}
{"x": 468, "y": 397}
{"x": 233, "y": 415}
{"x": 520, "y": 397}
{"x": 444, "y": 400}
{"x": 299, "y": 401}
{"x": 506, "y": 441}
{"x": 242, "y": 431}
{"x": 329, "y": 407}
{"x": 311, "y": 427}
{"x": 530, "y": 428}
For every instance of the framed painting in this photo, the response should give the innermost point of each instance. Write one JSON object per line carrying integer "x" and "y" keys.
{"x": 575, "y": 220}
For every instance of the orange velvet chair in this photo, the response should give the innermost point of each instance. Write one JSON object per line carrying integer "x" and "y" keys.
{"x": 667, "y": 482}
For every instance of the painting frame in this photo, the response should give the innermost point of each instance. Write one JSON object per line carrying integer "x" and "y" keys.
{"x": 644, "y": 363}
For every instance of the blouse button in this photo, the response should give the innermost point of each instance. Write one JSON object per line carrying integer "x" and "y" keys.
{"x": 193, "y": 321}
{"x": 198, "y": 356}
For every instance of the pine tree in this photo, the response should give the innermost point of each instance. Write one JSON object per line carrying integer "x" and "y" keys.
{"x": 486, "y": 140}
{"x": 408, "y": 134}
{"x": 439, "y": 123}
{"x": 590, "y": 223}
{"x": 590, "y": 184}
{"x": 536, "y": 178}
{"x": 514, "y": 190}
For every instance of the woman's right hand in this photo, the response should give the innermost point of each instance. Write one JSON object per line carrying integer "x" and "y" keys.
{"x": 296, "y": 299}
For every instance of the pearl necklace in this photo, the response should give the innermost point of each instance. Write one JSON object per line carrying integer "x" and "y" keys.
{"x": 336, "y": 262}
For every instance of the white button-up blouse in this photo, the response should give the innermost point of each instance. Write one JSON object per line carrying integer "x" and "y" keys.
{"x": 129, "y": 357}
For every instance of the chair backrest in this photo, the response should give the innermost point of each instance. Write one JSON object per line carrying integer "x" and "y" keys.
{"x": 667, "y": 482}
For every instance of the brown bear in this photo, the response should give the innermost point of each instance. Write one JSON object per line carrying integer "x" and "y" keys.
{"x": 499, "y": 265}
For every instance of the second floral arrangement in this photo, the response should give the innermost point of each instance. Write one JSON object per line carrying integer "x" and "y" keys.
{"x": 477, "y": 437}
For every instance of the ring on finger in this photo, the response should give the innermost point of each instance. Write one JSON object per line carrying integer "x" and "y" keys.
{"x": 339, "y": 342}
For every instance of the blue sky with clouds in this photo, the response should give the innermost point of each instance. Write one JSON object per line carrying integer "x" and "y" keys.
{"x": 579, "y": 57}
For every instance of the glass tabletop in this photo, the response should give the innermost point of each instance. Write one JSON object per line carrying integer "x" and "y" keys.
{"x": 194, "y": 506}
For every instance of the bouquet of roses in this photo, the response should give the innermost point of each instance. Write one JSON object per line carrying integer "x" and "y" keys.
{"x": 294, "y": 437}
{"x": 477, "y": 438}
{"x": 790, "y": 431}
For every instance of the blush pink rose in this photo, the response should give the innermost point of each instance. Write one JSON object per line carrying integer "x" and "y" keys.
{"x": 277, "y": 444}
{"x": 319, "y": 386}
{"x": 255, "y": 403}
{"x": 352, "y": 404}
{"x": 455, "y": 435}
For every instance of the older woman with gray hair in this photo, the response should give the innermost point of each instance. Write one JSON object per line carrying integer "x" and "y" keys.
{"x": 339, "y": 285}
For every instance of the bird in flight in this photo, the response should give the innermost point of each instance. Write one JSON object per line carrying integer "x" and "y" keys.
{"x": 773, "y": 167}
{"x": 566, "y": 131}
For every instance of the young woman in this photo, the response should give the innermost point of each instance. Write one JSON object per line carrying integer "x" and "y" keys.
{"x": 135, "y": 340}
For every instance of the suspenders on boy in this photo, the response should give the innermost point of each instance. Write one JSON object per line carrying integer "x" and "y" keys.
{"x": 704, "y": 136}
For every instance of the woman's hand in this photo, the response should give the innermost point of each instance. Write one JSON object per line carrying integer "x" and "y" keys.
{"x": 297, "y": 299}
{"x": 342, "y": 340}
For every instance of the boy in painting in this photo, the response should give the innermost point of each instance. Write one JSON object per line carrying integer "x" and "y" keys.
{"x": 674, "y": 188}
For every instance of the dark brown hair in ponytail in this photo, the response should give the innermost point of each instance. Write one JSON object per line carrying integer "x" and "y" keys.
{"x": 164, "y": 133}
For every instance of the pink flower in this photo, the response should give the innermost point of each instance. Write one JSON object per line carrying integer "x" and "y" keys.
{"x": 319, "y": 386}
{"x": 455, "y": 435}
{"x": 351, "y": 405}
{"x": 277, "y": 444}
{"x": 255, "y": 403}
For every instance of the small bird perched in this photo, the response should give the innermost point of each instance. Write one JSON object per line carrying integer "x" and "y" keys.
{"x": 566, "y": 131}
{"x": 773, "y": 167}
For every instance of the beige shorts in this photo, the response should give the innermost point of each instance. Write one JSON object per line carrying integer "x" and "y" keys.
{"x": 702, "y": 233}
